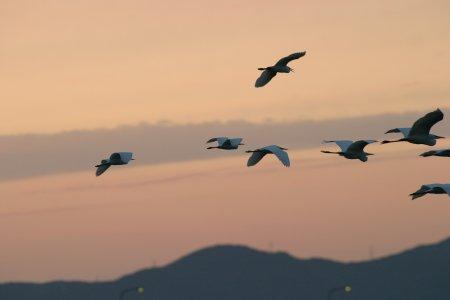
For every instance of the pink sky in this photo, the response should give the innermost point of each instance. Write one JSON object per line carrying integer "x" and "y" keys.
{"x": 80, "y": 227}
{"x": 79, "y": 65}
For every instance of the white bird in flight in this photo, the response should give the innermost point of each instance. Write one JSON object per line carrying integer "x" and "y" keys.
{"x": 351, "y": 150}
{"x": 225, "y": 143}
{"x": 117, "y": 158}
{"x": 258, "y": 154}
{"x": 419, "y": 133}
{"x": 442, "y": 153}
{"x": 435, "y": 188}
{"x": 280, "y": 67}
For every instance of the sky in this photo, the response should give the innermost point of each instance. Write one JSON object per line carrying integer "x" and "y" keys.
{"x": 81, "y": 79}
{"x": 68, "y": 65}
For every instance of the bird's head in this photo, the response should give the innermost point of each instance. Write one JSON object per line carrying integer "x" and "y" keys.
{"x": 428, "y": 153}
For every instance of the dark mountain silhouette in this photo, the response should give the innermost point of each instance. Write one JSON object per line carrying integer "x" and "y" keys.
{"x": 237, "y": 272}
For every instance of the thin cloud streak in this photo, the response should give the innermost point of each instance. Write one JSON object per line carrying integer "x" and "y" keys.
{"x": 37, "y": 155}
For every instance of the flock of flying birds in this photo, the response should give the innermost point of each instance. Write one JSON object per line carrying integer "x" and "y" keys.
{"x": 419, "y": 133}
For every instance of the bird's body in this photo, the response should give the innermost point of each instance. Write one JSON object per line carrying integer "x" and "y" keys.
{"x": 225, "y": 143}
{"x": 435, "y": 188}
{"x": 116, "y": 159}
{"x": 352, "y": 150}
{"x": 280, "y": 67}
{"x": 258, "y": 154}
{"x": 419, "y": 133}
{"x": 442, "y": 153}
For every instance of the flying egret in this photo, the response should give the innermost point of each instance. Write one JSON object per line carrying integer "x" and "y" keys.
{"x": 225, "y": 143}
{"x": 352, "y": 150}
{"x": 443, "y": 153}
{"x": 435, "y": 188}
{"x": 279, "y": 67}
{"x": 117, "y": 158}
{"x": 258, "y": 154}
{"x": 419, "y": 133}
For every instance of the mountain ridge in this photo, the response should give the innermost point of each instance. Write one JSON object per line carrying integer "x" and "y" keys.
{"x": 240, "y": 272}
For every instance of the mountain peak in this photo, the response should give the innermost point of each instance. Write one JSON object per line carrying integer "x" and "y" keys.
{"x": 240, "y": 272}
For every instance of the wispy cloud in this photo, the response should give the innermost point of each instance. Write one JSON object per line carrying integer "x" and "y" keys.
{"x": 37, "y": 155}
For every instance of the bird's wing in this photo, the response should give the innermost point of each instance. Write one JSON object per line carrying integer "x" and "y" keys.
{"x": 125, "y": 156}
{"x": 236, "y": 141}
{"x": 424, "y": 124}
{"x": 358, "y": 146}
{"x": 255, "y": 158}
{"x": 219, "y": 140}
{"x": 264, "y": 78}
{"x": 101, "y": 169}
{"x": 343, "y": 144}
{"x": 280, "y": 153}
{"x": 285, "y": 60}
{"x": 212, "y": 140}
{"x": 405, "y": 131}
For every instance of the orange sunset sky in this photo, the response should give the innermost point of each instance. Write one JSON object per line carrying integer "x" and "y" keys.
{"x": 88, "y": 66}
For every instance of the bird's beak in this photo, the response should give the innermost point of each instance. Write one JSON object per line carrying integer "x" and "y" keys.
{"x": 439, "y": 137}
{"x": 292, "y": 70}
{"x": 283, "y": 148}
{"x": 415, "y": 195}
{"x": 132, "y": 159}
{"x": 241, "y": 144}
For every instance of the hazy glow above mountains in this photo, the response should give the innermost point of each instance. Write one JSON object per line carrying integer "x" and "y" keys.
{"x": 321, "y": 206}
